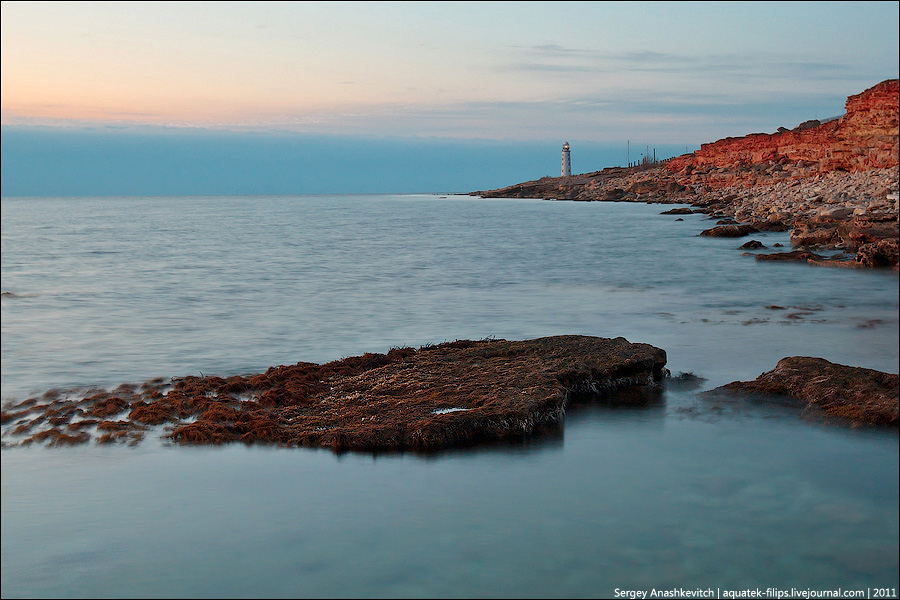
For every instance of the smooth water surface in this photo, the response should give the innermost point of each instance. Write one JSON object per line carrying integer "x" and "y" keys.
{"x": 102, "y": 291}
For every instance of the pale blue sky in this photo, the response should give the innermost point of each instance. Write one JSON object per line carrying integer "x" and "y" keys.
{"x": 507, "y": 70}
{"x": 593, "y": 73}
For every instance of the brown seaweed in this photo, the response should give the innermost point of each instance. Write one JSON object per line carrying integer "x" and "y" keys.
{"x": 55, "y": 437}
{"x": 107, "y": 407}
{"x": 460, "y": 392}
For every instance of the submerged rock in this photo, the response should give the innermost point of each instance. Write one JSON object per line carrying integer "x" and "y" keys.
{"x": 862, "y": 395}
{"x": 456, "y": 393}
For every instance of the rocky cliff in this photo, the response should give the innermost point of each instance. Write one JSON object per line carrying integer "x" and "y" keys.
{"x": 864, "y": 138}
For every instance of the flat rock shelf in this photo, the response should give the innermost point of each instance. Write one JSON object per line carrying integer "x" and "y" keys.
{"x": 451, "y": 394}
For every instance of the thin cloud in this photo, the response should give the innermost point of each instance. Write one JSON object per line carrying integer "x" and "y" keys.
{"x": 555, "y": 59}
{"x": 556, "y": 50}
{"x": 552, "y": 68}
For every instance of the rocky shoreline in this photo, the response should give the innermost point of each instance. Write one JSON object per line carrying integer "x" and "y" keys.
{"x": 834, "y": 185}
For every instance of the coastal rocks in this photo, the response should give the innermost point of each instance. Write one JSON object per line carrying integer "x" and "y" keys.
{"x": 752, "y": 245}
{"x": 838, "y": 211}
{"x": 678, "y": 211}
{"x": 848, "y": 230}
{"x": 451, "y": 394}
{"x": 883, "y": 253}
{"x": 834, "y": 183}
{"x": 867, "y": 228}
{"x": 861, "y": 395}
{"x": 645, "y": 183}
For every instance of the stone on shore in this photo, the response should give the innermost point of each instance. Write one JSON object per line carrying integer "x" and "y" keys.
{"x": 883, "y": 253}
{"x": 451, "y": 394}
{"x": 855, "y": 393}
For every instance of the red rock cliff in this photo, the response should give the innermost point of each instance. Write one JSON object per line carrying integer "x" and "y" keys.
{"x": 866, "y": 137}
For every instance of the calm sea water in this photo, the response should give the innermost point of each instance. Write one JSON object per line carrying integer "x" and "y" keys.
{"x": 103, "y": 291}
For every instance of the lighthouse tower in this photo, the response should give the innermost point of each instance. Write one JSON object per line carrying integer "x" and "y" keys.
{"x": 566, "y": 169}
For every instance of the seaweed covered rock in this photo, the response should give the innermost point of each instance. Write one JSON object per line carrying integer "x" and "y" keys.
{"x": 451, "y": 394}
{"x": 862, "y": 395}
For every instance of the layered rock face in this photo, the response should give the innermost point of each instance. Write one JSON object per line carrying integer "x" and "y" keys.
{"x": 865, "y": 138}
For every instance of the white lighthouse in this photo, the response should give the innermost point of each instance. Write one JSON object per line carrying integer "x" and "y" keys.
{"x": 566, "y": 169}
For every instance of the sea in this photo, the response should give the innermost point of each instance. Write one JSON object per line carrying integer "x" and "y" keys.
{"x": 681, "y": 494}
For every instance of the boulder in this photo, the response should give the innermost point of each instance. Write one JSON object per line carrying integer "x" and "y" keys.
{"x": 772, "y": 224}
{"x": 729, "y": 231}
{"x": 808, "y": 124}
{"x": 815, "y": 233}
{"x": 834, "y": 213}
{"x": 883, "y": 253}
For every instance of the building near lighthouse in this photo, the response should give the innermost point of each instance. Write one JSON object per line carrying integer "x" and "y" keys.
{"x": 566, "y": 168}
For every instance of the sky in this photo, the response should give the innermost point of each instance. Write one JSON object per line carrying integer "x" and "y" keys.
{"x": 329, "y": 90}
